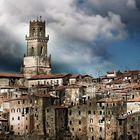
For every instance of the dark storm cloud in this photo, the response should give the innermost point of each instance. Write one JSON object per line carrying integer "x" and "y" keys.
{"x": 10, "y": 52}
{"x": 129, "y": 10}
{"x": 75, "y": 27}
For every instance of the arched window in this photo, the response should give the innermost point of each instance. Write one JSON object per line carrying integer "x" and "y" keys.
{"x": 12, "y": 110}
{"x": 91, "y": 120}
{"x": 41, "y": 50}
{"x": 33, "y": 32}
{"x": 32, "y": 51}
{"x": 40, "y": 32}
{"x": 18, "y": 110}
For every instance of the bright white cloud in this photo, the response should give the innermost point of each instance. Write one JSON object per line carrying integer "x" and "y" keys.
{"x": 68, "y": 24}
{"x": 131, "y": 4}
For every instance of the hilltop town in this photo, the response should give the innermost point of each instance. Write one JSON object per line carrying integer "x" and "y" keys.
{"x": 38, "y": 104}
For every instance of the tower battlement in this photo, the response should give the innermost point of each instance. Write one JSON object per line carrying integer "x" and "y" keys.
{"x": 36, "y": 61}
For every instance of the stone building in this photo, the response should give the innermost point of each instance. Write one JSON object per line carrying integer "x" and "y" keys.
{"x": 95, "y": 119}
{"x": 27, "y": 114}
{"x": 40, "y": 104}
{"x": 56, "y": 123}
{"x": 37, "y": 61}
{"x": 128, "y": 127}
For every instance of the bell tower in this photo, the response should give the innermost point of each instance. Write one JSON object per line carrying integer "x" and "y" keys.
{"x": 36, "y": 61}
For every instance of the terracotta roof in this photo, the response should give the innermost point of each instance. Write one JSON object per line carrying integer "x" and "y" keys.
{"x": 19, "y": 86}
{"x": 136, "y": 99}
{"x": 26, "y": 97}
{"x": 60, "y": 107}
{"x": 111, "y": 72}
{"x": 74, "y": 86}
{"x": 48, "y": 95}
{"x": 120, "y": 81}
{"x": 86, "y": 75}
{"x": 136, "y": 87}
{"x": 133, "y": 114}
{"x": 109, "y": 100}
{"x": 129, "y": 73}
{"x": 3, "y": 119}
{"x": 8, "y": 75}
{"x": 60, "y": 88}
{"x": 74, "y": 75}
{"x": 49, "y": 76}
{"x": 19, "y": 98}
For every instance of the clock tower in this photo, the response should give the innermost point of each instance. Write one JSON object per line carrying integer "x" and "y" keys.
{"x": 36, "y": 61}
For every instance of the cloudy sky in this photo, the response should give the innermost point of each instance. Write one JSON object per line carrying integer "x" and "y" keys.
{"x": 86, "y": 36}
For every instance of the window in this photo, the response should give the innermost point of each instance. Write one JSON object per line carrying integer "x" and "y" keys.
{"x": 79, "y": 122}
{"x": 18, "y": 110}
{"x": 70, "y": 122}
{"x": 132, "y": 127}
{"x": 37, "y": 117}
{"x": 72, "y": 129}
{"x": 100, "y": 112}
{"x": 79, "y": 112}
{"x": 89, "y": 103}
{"x": 26, "y": 127}
{"x": 100, "y": 128}
{"x": 89, "y": 112}
{"x": 12, "y": 118}
{"x": 44, "y": 82}
{"x": 23, "y": 102}
{"x": 11, "y": 127}
{"x": 33, "y": 31}
{"x": 91, "y": 129}
{"x": 38, "y": 82}
{"x": 27, "y": 110}
{"x": 133, "y": 119}
{"x": 79, "y": 129}
{"x": 133, "y": 96}
{"x": 37, "y": 127}
{"x": 12, "y": 110}
{"x": 120, "y": 122}
{"x": 100, "y": 104}
{"x": 18, "y": 102}
{"x": 100, "y": 138}
{"x": 41, "y": 50}
{"x": 47, "y": 110}
{"x": 18, "y": 118}
{"x": 91, "y": 120}
{"x": 138, "y": 118}
{"x": 70, "y": 112}
{"x": 40, "y": 28}
{"x": 94, "y": 112}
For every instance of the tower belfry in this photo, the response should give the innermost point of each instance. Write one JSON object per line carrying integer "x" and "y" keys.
{"x": 36, "y": 60}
